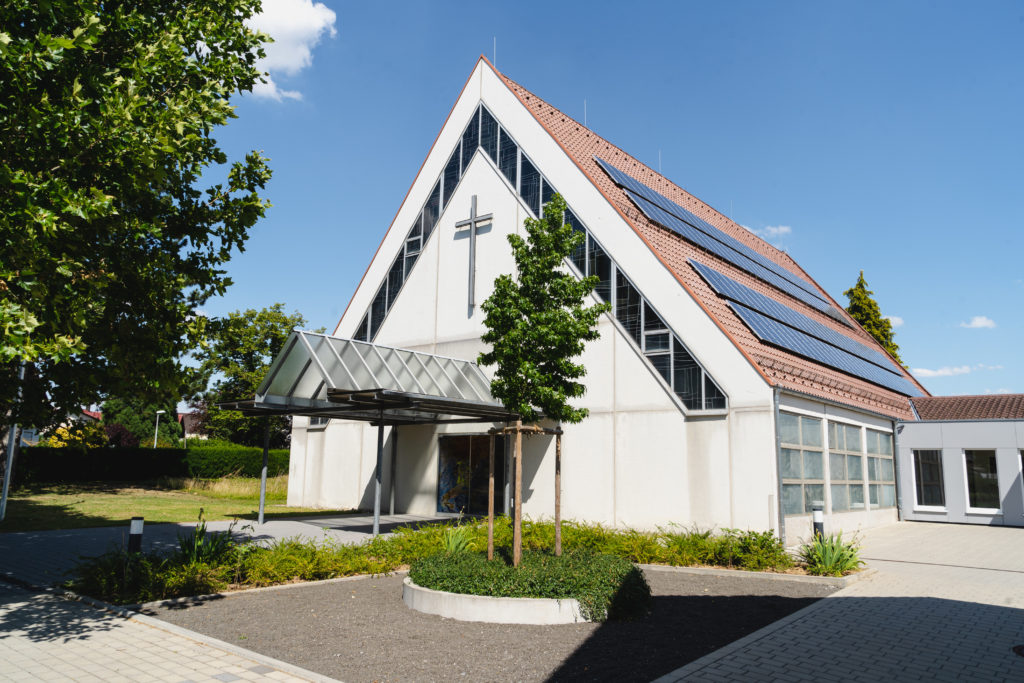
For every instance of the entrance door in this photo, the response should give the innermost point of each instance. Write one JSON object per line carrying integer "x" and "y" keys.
{"x": 462, "y": 474}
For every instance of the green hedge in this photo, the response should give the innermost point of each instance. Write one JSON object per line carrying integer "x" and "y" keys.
{"x": 209, "y": 463}
{"x": 42, "y": 464}
{"x": 606, "y": 586}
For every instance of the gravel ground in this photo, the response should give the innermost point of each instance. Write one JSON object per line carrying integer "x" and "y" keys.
{"x": 360, "y": 630}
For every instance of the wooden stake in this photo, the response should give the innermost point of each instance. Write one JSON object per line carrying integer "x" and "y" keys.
{"x": 517, "y": 522}
{"x": 558, "y": 494}
{"x": 490, "y": 502}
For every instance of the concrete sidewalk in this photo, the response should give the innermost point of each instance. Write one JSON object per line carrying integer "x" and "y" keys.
{"x": 44, "y": 637}
{"x": 947, "y": 603}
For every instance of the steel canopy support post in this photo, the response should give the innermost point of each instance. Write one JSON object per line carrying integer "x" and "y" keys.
{"x": 490, "y": 501}
{"x": 517, "y": 521}
{"x": 377, "y": 475}
{"x": 394, "y": 462}
{"x": 263, "y": 472}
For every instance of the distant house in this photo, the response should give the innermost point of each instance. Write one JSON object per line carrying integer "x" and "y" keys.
{"x": 962, "y": 460}
{"x": 191, "y": 426}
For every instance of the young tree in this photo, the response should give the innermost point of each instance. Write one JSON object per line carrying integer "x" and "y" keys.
{"x": 864, "y": 310}
{"x": 109, "y": 240}
{"x": 537, "y": 323}
{"x": 240, "y": 350}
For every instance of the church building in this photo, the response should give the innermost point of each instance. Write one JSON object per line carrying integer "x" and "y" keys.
{"x": 727, "y": 388}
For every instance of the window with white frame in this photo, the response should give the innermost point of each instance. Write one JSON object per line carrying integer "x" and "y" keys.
{"x": 881, "y": 474}
{"x": 928, "y": 484}
{"x": 846, "y": 467}
{"x": 982, "y": 479}
{"x": 318, "y": 422}
{"x": 801, "y": 462}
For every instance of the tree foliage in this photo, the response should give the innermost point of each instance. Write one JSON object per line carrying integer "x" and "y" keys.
{"x": 109, "y": 237}
{"x": 537, "y": 325}
{"x": 138, "y": 417}
{"x": 236, "y": 358}
{"x": 865, "y": 310}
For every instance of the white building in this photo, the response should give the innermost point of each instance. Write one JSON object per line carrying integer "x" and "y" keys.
{"x": 727, "y": 388}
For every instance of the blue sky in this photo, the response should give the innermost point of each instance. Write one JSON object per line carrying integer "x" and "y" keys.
{"x": 878, "y": 136}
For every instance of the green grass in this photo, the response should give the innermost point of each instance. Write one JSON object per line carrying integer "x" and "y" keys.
{"x": 75, "y": 506}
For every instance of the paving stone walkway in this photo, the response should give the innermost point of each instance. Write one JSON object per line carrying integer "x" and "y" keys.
{"x": 46, "y": 637}
{"x": 946, "y": 604}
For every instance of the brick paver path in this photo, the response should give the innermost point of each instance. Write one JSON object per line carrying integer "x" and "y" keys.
{"x": 44, "y": 637}
{"x": 947, "y": 603}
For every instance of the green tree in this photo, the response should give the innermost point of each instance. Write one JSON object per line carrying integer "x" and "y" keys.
{"x": 538, "y": 325}
{"x": 138, "y": 417}
{"x": 111, "y": 232}
{"x": 865, "y": 310}
{"x": 236, "y": 358}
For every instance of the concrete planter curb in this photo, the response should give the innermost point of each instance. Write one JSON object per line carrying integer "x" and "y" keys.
{"x": 489, "y": 609}
{"x": 840, "y": 581}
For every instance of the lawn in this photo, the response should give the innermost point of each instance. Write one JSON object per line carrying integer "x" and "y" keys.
{"x": 75, "y": 506}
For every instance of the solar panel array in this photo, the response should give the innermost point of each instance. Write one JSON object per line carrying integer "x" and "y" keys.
{"x": 774, "y": 332}
{"x": 728, "y": 288}
{"x": 663, "y": 217}
{"x": 746, "y": 254}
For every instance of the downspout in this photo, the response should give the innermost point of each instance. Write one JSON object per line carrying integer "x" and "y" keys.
{"x": 896, "y": 469}
{"x": 778, "y": 465}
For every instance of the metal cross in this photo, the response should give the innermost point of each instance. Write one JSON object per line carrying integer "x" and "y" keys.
{"x": 473, "y": 223}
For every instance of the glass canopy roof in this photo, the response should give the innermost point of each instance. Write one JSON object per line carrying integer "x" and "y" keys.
{"x": 319, "y": 375}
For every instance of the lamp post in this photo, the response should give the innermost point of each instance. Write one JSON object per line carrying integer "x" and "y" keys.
{"x": 156, "y": 430}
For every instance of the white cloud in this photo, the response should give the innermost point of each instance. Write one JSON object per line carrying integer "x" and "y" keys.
{"x": 998, "y": 391}
{"x": 983, "y": 366}
{"x": 771, "y": 232}
{"x": 946, "y": 371}
{"x": 979, "y": 321}
{"x": 895, "y": 320}
{"x": 296, "y": 27}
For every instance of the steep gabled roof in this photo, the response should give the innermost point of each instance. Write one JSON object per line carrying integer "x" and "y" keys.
{"x": 778, "y": 366}
{"x": 991, "y": 407}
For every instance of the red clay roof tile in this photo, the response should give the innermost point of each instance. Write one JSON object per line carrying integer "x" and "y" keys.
{"x": 779, "y": 367}
{"x": 990, "y": 407}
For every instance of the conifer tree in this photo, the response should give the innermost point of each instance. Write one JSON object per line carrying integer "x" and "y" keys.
{"x": 865, "y": 310}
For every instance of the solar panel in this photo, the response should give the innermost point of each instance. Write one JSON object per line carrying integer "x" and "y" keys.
{"x": 659, "y": 215}
{"x": 777, "y": 334}
{"x": 678, "y": 211}
{"x": 728, "y": 288}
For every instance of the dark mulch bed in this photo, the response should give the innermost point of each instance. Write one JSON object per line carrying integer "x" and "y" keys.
{"x": 361, "y": 630}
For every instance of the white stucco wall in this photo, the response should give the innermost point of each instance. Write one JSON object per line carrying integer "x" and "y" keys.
{"x": 639, "y": 460}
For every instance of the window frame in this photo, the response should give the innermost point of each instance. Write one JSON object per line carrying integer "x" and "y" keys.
{"x": 968, "y": 508}
{"x": 822, "y": 450}
{"x": 847, "y": 453}
{"x": 891, "y": 458}
{"x": 918, "y": 505}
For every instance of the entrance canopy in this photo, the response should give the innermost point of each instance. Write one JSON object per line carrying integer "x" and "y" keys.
{"x": 322, "y": 376}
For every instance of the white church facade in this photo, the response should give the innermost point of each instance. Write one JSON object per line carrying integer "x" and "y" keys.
{"x": 727, "y": 388}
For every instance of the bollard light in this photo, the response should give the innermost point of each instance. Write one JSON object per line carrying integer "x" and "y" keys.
{"x": 818, "y": 517}
{"x": 135, "y": 535}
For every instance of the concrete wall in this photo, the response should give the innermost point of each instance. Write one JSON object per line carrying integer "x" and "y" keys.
{"x": 799, "y": 527}
{"x": 1005, "y": 437}
{"x": 640, "y": 459}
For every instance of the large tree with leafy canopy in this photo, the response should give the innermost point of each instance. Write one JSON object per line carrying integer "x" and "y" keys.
{"x": 537, "y": 324}
{"x": 865, "y": 310}
{"x": 235, "y": 360}
{"x": 118, "y": 209}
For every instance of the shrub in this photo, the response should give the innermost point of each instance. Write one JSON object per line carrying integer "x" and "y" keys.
{"x": 42, "y": 464}
{"x": 202, "y": 546}
{"x": 831, "y": 555}
{"x": 688, "y": 547}
{"x": 607, "y": 587}
{"x": 456, "y": 539}
{"x": 760, "y": 550}
{"x": 210, "y": 462}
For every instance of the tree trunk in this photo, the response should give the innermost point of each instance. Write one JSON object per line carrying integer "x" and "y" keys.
{"x": 517, "y": 522}
{"x": 558, "y": 494}
{"x": 490, "y": 502}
